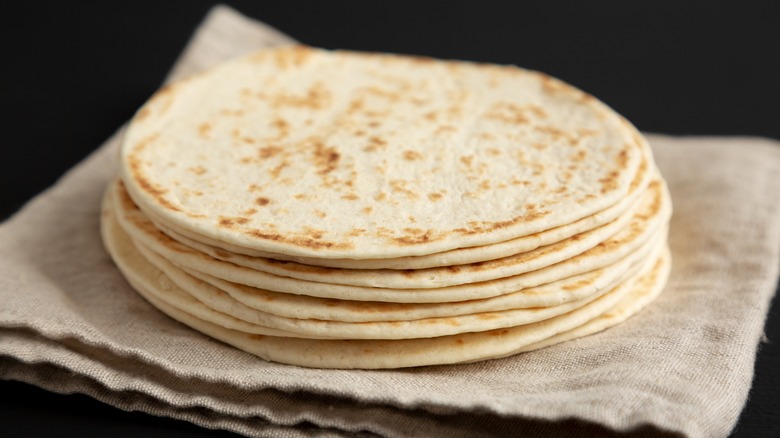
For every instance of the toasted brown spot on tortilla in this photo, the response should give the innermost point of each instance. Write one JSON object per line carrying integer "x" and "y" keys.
{"x": 609, "y": 183}
{"x": 453, "y": 268}
{"x": 226, "y": 222}
{"x": 412, "y": 155}
{"x": 282, "y": 126}
{"x": 435, "y": 196}
{"x": 324, "y": 158}
{"x": 262, "y": 200}
{"x": 580, "y": 155}
{"x": 508, "y": 112}
{"x": 144, "y": 184}
{"x": 350, "y": 197}
{"x": 577, "y": 285}
{"x": 298, "y": 240}
{"x": 313, "y": 233}
{"x": 197, "y": 170}
{"x": 268, "y": 151}
{"x": 204, "y": 129}
{"x": 318, "y": 96}
{"x": 416, "y": 239}
{"x": 399, "y": 186}
{"x": 375, "y": 143}
{"x": 622, "y": 158}
{"x": 367, "y": 210}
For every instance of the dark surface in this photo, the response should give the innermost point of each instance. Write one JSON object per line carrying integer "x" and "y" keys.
{"x": 72, "y": 72}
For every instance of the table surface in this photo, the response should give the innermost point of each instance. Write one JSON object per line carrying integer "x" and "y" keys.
{"x": 74, "y": 71}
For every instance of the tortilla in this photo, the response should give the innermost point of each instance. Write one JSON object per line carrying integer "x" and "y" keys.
{"x": 459, "y": 256}
{"x": 644, "y": 225}
{"x": 469, "y": 347}
{"x": 137, "y": 225}
{"x": 322, "y": 154}
{"x": 551, "y": 294}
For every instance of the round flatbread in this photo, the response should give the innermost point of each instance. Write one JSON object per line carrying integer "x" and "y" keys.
{"x": 647, "y": 223}
{"x": 459, "y": 256}
{"x": 469, "y": 347}
{"x": 164, "y": 288}
{"x": 138, "y": 226}
{"x": 551, "y": 294}
{"x": 325, "y": 154}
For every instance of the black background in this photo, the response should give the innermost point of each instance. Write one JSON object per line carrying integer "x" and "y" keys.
{"x": 72, "y": 72}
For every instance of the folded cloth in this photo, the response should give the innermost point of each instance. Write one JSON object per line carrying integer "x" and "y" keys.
{"x": 70, "y": 323}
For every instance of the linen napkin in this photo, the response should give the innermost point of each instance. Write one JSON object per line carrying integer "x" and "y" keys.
{"x": 70, "y": 323}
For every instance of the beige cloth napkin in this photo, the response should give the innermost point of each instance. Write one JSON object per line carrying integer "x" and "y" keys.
{"x": 70, "y": 323}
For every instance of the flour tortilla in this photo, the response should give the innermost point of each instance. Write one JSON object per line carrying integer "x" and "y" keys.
{"x": 138, "y": 226}
{"x": 324, "y": 154}
{"x": 144, "y": 276}
{"x": 184, "y": 293}
{"x": 646, "y": 224}
{"x": 469, "y": 347}
{"x": 459, "y": 256}
{"x": 639, "y": 298}
{"x": 551, "y": 294}
{"x": 204, "y": 294}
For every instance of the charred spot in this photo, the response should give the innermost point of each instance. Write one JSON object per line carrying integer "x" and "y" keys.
{"x": 415, "y": 239}
{"x": 622, "y": 158}
{"x": 412, "y": 155}
{"x": 268, "y": 151}
{"x": 375, "y": 143}
{"x": 324, "y": 157}
{"x": 305, "y": 241}
{"x": 226, "y": 222}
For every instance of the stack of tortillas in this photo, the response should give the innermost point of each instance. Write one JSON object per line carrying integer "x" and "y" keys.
{"x": 353, "y": 210}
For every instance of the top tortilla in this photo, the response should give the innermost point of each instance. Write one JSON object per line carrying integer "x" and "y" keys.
{"x": 322, "y": 154}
